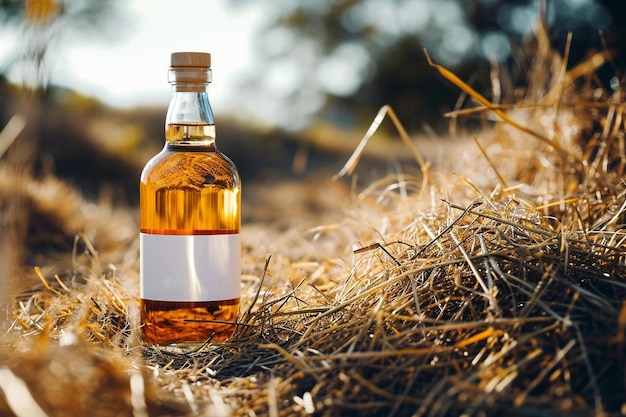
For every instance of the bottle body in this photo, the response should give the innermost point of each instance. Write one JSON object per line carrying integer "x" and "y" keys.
{"x": 190, "y": 218}
{"x": 190, "y": 250}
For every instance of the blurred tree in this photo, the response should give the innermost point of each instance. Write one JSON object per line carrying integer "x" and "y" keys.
{"x": 44, "y": 25}
{"x": 343, "y": 58}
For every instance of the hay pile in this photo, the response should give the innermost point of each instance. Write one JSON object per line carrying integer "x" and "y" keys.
{"x": 492, "y": 284}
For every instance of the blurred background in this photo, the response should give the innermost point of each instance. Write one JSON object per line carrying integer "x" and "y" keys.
{"x": 83, "y": 89}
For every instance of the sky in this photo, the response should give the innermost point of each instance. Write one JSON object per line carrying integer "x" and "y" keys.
{"x": 131, "y": 68}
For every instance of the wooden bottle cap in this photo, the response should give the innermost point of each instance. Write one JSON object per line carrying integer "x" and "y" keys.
{"x": 191, "y": 59}
{"x": 190, "y": 67}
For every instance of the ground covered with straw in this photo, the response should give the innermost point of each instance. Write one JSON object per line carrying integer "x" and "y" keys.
{"x": 489, "y": 283}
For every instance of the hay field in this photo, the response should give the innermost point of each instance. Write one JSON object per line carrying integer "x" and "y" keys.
{"x": 489, "y": 283}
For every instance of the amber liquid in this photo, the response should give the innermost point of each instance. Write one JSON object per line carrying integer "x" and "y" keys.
{"x": 189, "y": 188}
{"x": 167, "y": 322}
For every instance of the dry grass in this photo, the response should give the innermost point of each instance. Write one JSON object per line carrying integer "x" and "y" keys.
{"x": 490, "y": 285}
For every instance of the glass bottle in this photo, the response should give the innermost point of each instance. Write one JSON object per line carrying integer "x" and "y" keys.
{"x": 190, "y": 218}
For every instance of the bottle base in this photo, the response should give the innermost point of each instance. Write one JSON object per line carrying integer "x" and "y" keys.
{"x": 187, "y": 325}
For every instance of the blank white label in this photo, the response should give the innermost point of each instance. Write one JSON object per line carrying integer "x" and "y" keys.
{"x": 190, "y": 267}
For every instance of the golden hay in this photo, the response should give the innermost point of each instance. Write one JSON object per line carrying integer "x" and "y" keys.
{"x": 490, "y": 285}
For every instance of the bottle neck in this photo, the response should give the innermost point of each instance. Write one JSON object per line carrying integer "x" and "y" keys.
{"x": 189, "y": 120}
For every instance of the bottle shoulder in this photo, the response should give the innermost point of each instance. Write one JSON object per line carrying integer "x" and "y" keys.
{"x": 195, "y": 167}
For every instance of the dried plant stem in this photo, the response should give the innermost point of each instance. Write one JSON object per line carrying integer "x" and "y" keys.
{"x": 351, "y": 164}
{"x": 482, "y": 100}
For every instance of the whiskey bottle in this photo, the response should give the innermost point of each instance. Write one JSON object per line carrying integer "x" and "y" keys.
{"x": 190, "y": 218}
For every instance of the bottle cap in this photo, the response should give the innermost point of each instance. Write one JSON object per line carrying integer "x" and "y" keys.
{"x": 190, "y": 68}
{"x": 191, "y": 59}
